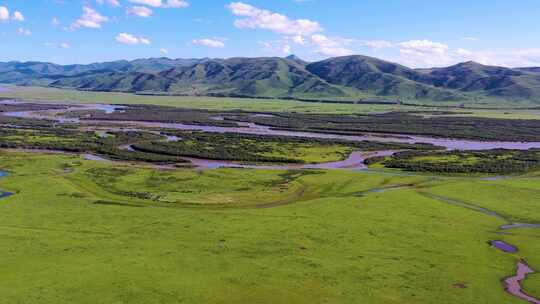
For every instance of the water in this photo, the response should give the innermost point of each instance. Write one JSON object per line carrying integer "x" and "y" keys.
{"x": 519, "y": 225}
{"x": 503, "y": 246}
{"x": 513, "y": 283}
{"x": 251, "y": 128}
{"x": 56, "y": 114}
{"x": 4, "y": 194}
{"x": 95, "y": 158}
{"x": 171, "y": 138}
{"x": 355, "y": 161}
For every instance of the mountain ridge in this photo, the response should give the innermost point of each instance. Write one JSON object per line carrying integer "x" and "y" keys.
{"x": 348, "y": 77}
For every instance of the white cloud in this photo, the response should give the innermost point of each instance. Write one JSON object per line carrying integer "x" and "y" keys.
{"x": 212, "y": 43}
{"x": 55, "y": 21}
{"x": 426, "y": 53}
{"x": 423, "y": 46}
{"x": 177, "y": 4}
{"x": 89, "y": 19}
{"x": 152, "y": 3}
{"x": 302, "y": 32}
{"x": 470, "y": 39}
{"x": 509, "y": 58}
{"x": 17, "y": 16}
{"x": 164, "y": 51}
{"x": 140, "y": 11}
{"x": 126, "y": 38}
{"x": 298, "y": 39}
{"x": 330, "y": 46}
{"x": 256, "y": 18}
{"x": 114, "y": 3}
{"x": 24, "y": 32}
{"x": 64, "y": 45}
{"x": 162, "y": 4}
{"x": 4, "y": 14}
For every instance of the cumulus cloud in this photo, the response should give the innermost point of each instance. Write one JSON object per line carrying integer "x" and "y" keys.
{"x": 256, "y": 18}
{"x": 427, "y": 53}
{"x": 333, "y": 47}
{"x": 4, "y": 14}
{"x": 24, "y": 32}
{"x": 423, "y": 46}
{"x": 300, "y": 32}
{"x": 126, "y": 38}
{"x": 212, "y": 43}
{"x": 140, "y": 11}
{"x": 17, "y": 16}
{"x": 114, "y": 3}
{"x": 177, "y": 4}
{"x": 164, "y": 51}
{"x": 89, "y": 19}
{"x": 162, "y": 4}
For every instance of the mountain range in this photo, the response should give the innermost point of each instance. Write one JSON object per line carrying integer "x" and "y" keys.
{"x": 341, "y": 78}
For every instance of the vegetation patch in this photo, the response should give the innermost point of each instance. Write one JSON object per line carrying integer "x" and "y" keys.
{"x": 263, "y": 148}
{"x": 498, "y": 161}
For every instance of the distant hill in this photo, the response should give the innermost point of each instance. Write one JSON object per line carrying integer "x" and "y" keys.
{"x": 341, "y": 78}
{"x": 380, "y": 77}
{"x": 488, "y": 80}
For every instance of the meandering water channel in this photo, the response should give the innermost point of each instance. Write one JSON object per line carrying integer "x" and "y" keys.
{"x": 4, "y": 194}
{"x": 355, "y": 160}
{"x": 256, "y": 129}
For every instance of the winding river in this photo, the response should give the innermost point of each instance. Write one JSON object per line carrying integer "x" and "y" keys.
{"x": 252, "y": 128}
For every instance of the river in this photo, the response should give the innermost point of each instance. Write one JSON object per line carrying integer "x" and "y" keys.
{"x": 252, "y": 128}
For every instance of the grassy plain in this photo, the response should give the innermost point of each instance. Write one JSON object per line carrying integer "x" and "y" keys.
{"x": 499, "y": 109}
{"x": 79, "y": 231}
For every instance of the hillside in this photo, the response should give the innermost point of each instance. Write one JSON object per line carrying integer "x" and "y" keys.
{"x": 489, "y": 80}
{"x": 380, "y": 77}
{"x": 349, "y": 78}
{"x": 265, "y": 77}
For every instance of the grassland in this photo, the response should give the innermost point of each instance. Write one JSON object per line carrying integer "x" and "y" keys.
{"x": 79, "y": 231}
{"x": 498, "y": 109}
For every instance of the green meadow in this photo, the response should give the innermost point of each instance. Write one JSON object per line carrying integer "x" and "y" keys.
{"x": 496, "y": 109}
{"x": 79, "y": 231}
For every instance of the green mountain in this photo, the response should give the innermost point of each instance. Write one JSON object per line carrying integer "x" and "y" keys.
{"x": 488, "y": 80}
{"x": 33, "y": 72}
{"x": 341, "y": 78}
{"x": 264, "y": 77}
{"x": 380, "y": 77}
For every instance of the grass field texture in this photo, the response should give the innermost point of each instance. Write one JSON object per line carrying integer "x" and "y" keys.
{"x": 80, "y": 231}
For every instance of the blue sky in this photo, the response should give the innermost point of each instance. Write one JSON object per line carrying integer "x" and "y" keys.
{"x": 418, "y": 33}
